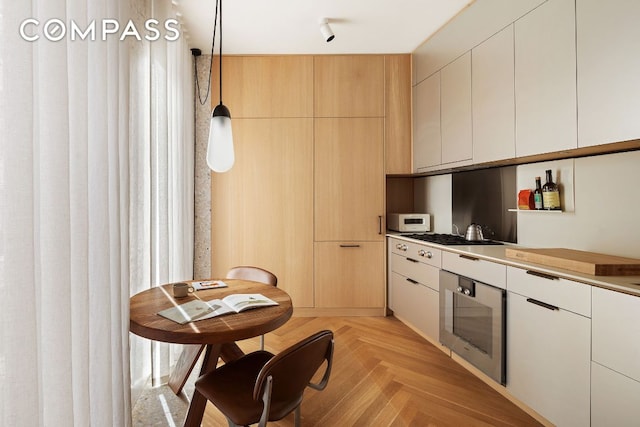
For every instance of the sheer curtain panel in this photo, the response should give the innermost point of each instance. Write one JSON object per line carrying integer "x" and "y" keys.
{"x": 64, "y": 218}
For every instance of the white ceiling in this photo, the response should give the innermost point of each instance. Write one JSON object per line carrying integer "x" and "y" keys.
{"x": 291, "y": 26}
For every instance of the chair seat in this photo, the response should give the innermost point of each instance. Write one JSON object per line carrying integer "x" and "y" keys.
{"x": 230, "y": 389}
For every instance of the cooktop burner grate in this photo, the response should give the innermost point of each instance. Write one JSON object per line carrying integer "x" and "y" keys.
{"x": 449, "y": 239}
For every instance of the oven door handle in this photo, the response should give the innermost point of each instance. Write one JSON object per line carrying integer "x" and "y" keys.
{"x": 543, "y": 304}
{"x": 412, "y": 281}
{"x": 470, "y": 258}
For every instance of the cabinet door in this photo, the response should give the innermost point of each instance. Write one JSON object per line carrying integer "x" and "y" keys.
{"x": 349, "y": 179}
{"x": 349, "y": 275}
{"x": 608, "y": 42}
{"x": 349, "y": 86}
{"x": 548, "y": 362}
{"x": 455, "y": 104}
{"x": 416, "y": 305}
{"x": 266, "y": 86}
{"x": 427, "y": 144}
{"x": 616, "y": 331}
{"x": 397, "y": 125}
{"x": 263, "y": 206}
{"x": 493, "y": 98}
{"x": 615, "y": 398}
{"x": 545, "y": 79}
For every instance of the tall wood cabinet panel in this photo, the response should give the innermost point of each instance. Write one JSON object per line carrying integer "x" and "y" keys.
{"x": 349, "y": 275}
{"x": 455, "y": 105}
{"x": 427, "y": 142}
{"x": 545, "y": 79}
{"x": 349, "y": 179}
{"x": 349, "y": 86}
{"x": 493, "y": 98}
{"x": 397, "y": 129}
{"x": 263, "y": 207}
{"x": 266, "y": 86}
{"x": 608, "y": 42}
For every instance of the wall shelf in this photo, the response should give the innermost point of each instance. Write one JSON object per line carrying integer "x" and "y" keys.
{"x": 535, "y": 211}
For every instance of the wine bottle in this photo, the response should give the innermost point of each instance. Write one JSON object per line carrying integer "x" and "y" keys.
{"x": 550, "y": 194}
{"x": 537, "y": 195}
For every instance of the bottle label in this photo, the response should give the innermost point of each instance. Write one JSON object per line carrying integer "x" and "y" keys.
{"x": 551, "y": 199}
{"x": 537, "y": 200}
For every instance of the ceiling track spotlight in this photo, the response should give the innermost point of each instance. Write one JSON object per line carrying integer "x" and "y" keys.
{"x": 325, "y": 29}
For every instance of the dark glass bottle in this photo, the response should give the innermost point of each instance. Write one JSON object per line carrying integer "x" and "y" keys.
{"x": 537, "y": 195}
{"x": 550, "y": 194}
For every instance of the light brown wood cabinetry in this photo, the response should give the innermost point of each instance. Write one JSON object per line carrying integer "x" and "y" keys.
{"x": 262, "y": 210}
{"x": 397, "y": 130}
{"x": 266, "y": 86}
{"x": 349, "y": 275}
{"x": 349, "y": 179}
{"x": 349, "y": 86}
{"x": 310, "y": 135}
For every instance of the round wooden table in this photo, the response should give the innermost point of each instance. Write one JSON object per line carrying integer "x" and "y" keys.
{"x": 217, "y": 335}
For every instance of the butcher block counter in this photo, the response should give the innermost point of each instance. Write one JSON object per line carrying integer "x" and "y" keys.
{"x": 497, "y": 253}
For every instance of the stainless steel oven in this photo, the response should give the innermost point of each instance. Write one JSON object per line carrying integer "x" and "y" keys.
{"x": 472, "y": 323}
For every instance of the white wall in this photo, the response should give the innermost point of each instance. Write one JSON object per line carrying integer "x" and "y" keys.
{"x": 607, "y": 209}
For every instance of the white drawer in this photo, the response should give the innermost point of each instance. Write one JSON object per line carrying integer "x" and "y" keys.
{"x": 549, "y": 289}
{"x": 416, "y": 251}
{"x": 487, "y": 272}
{"x": 417, "y": 271}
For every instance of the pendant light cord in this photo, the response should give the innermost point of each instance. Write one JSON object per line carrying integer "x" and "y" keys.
{"x": 220, "y": 47}
{"x": 195, "y": 63}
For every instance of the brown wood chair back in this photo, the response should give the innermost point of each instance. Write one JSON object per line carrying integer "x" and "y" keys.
{"x": 256, "y": 274}
{"x": 261, "y": 387}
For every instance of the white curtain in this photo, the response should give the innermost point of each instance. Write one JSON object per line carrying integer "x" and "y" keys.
{"x": 162, "y": 157}
{"x": 75, "y": 197}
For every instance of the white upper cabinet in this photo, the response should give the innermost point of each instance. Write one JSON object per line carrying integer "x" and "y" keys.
{"x": 545, "y": 79}
{"x": 455, "y": 104}
{"x": 608, "y": 42}
{"x": 426, "y": 131}
{"x": 493, "y": 98}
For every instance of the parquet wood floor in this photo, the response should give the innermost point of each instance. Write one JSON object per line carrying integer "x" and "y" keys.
{"x": 384, "y": 374}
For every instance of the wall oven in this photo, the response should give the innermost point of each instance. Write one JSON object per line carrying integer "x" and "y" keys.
{"x": 472, "y": 323}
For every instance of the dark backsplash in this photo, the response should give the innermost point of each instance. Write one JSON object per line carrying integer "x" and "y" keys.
{"x": 484, "y": 197}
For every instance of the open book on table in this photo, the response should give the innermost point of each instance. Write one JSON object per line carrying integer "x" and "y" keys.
{"x": 200, "y": 310}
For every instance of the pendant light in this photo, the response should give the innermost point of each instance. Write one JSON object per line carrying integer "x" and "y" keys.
{"x": 220, "y": 155}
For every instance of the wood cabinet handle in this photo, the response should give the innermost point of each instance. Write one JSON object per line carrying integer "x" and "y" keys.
{"x": 470, "y": 258}
{"x": 543, "y": 275}
{"x": 379, "y": 224}
{"x": 349, "y": 246}
{"x": 542, "y": 304}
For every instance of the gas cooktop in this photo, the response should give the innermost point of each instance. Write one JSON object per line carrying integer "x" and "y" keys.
{"x": 449, "y": 239}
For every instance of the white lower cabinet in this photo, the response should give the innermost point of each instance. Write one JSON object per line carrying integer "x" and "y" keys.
{"x": 615, "y": 374}
{"x": 414, "y": 285}
{"x": 615, "y": 398}
{"x": 415, "y": 304}
{"x": 548, "y": 352}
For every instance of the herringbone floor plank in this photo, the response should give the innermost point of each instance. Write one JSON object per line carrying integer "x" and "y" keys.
{"x": 384, "y": 374}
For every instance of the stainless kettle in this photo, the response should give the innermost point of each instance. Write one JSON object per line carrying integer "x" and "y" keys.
{"x": 474, "y": 233}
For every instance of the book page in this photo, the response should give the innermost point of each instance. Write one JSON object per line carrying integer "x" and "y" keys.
{"x": 241, "y": 302}
{"x": 188, "y": 312}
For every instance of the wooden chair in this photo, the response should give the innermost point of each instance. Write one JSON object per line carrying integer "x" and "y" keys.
{"x": 191, "y": 353}
{"x": 255, "y": 274}
{"x": 261, "y": 387}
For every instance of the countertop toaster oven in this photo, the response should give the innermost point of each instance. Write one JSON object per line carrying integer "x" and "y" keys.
{"x": 409, "y": 222}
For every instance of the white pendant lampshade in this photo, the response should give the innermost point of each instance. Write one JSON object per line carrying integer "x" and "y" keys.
{"x": 220, "y": 156}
